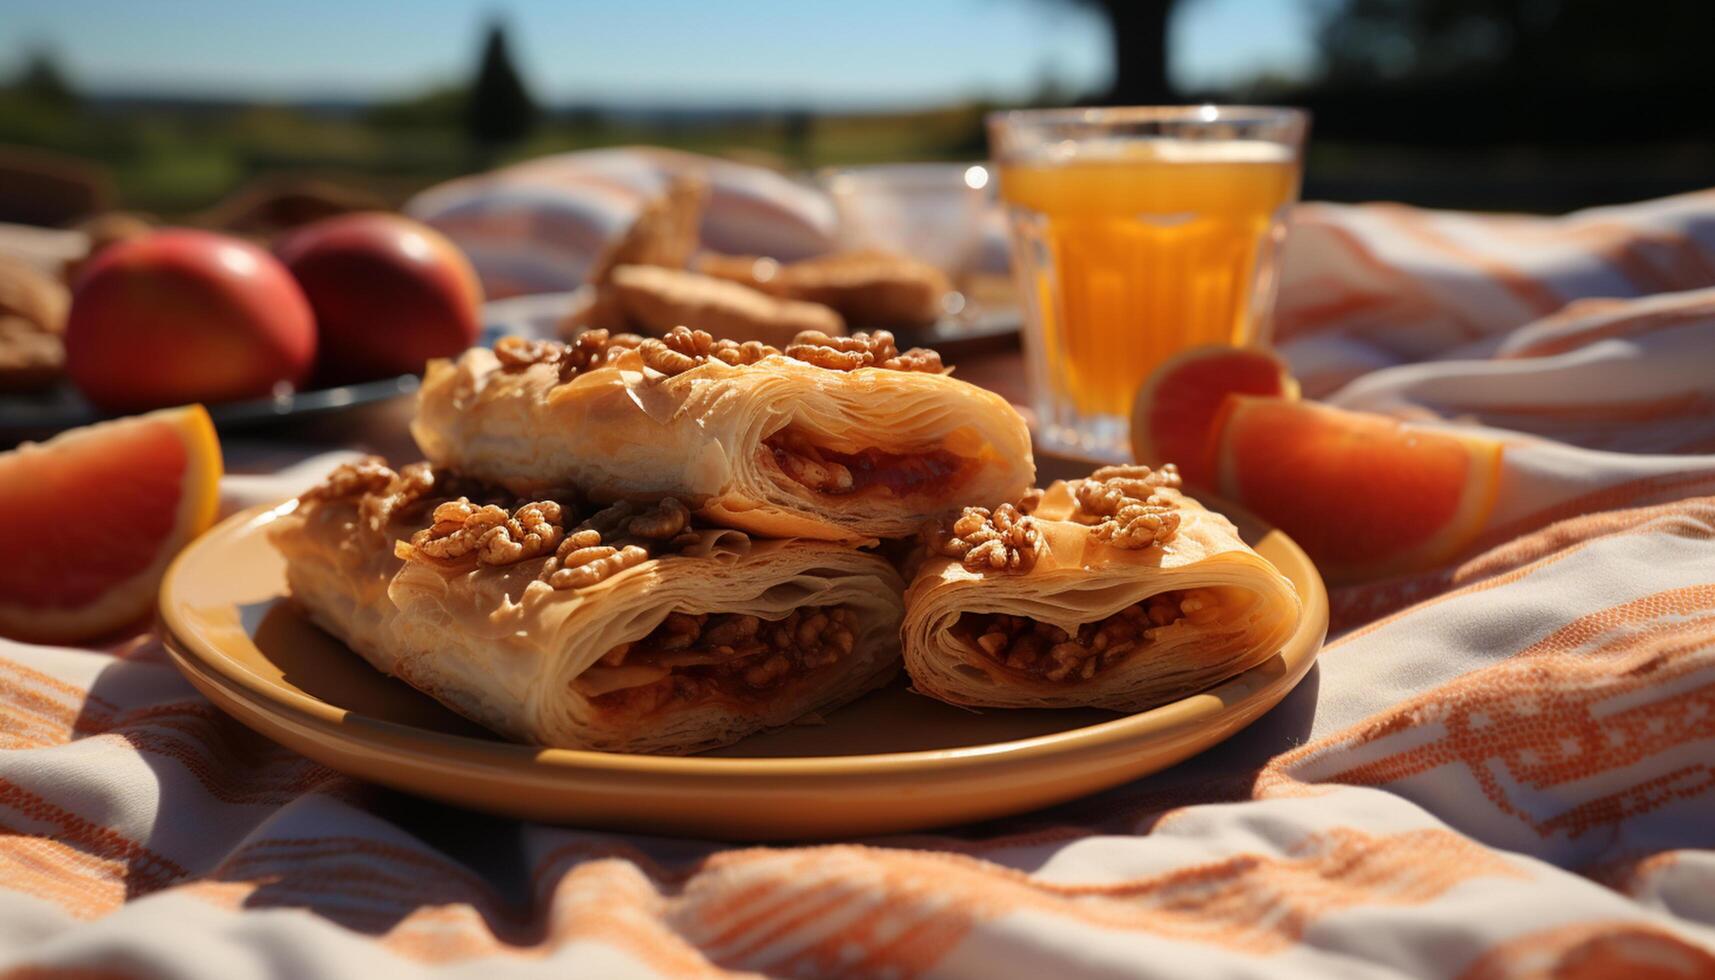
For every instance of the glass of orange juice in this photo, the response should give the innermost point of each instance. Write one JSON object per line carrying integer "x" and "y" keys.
{"x": 1137, "y": 233}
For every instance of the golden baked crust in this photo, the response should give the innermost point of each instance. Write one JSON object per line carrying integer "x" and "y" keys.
{"x": 678, "y": 637}
{"x": 871, "y": 446}
{"x": 654, "y": 300}
{"x": 868, "y": 288}
{"x": 664, "y": 233}
{"x": 1098, "y": 597}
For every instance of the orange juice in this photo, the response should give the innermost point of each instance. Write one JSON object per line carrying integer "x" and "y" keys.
{"x": 1134, "y": 250}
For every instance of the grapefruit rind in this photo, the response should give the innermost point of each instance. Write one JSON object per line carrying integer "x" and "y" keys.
{"x": 129, "y": 600}
{"x": 1199, "y": 466}
{"x": 1476, "y": 501}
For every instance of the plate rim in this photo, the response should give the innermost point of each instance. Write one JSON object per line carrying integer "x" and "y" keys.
{"x": 189, "y": 649}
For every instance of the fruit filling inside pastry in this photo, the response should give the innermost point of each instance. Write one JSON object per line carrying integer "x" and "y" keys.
{"x": 731, "y": 657}
{"x": 835, "y": 473}
{"x": 1047, "y": 652}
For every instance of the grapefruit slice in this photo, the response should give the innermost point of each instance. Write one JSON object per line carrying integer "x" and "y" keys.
{"x": 1365, "y": 496}
{"x": 1173, "y": 415}
{"x": 90, "y": 519}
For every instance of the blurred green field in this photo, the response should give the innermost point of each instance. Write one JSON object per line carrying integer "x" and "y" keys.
{"x": 176, "y": 160}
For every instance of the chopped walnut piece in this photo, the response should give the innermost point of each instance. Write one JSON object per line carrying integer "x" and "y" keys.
{"x": 1138, "y": 526}
{"x": 490, "y": 533}
{"x": 518, "y": 353}
{"x": 659, "y": 356}
{"x": 743, "y": 652}
{"x": 533, "y": 530}
{"x": 737, "y": 354}
{"x": 666, "y": 521}
{"x": 587, "y": 566}
{"x": 610, "y": 522}
{"x": 800, "y": 459}
{"x": 999, "y": 540}
{"x": 1139, "y": 481}
{"x": 1120, "y": 503}
{"x": 683, "y": 349}
{"x": 1051, "y": 653}
{"x": 589, "y": 350}
{"x": 409, "y": 486}
{"x": 368, "y": 475}
{"x": 860, "y": 350}
{"x": 456, "y": 531}
{"x": 916, "y": 359}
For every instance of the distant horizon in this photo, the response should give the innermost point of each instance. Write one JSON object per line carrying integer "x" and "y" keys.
{"x": 759, "y": 55}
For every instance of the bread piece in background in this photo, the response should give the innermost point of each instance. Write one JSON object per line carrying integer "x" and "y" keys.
{"x": 870, "y": 288}
{"x": 33, "y": 309}
{"x": 654, "y": 300}
{"x": 664, "y": 233}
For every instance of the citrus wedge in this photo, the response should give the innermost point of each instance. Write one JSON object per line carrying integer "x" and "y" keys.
{"x": 90, "y": 519}
{"x": 1173, "y": 415}
{"x": 1365, "y": 495}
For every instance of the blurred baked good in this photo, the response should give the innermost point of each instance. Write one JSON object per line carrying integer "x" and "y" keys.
{"x": 870, "y": 288}
{"x": 276, "y": 202}
{"x": 654, "y": 300}
{"x": 41, "y": 187}
{"x": 30, "y": 358}
{"x": 32, "y": 318}
{"x": 664, "y": 234}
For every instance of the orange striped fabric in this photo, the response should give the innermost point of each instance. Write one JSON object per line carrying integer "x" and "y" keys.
{"x": 1504, "y": 767}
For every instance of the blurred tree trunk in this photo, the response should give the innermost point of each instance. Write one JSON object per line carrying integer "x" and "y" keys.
{"x": 499, "y": 112}
{"x": 1139, "y": 32}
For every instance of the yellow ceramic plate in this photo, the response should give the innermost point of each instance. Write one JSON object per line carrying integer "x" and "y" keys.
{"x": 894, "y": 761}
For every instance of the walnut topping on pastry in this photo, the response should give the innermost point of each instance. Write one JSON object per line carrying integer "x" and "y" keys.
{"x": 408, "y": 487}
{"x": 999, "y": 540}
{"x": 1049, "y": 652}
{"x": 384, "y": 496}
{"x": 683, "y": 349}
{"x": 728, "y": 655}
{"x": 370, "y": 474}
{"x": 663, "y": 523}
{"x": 618, "y": 537}
{"x": 801, "y": 460}
{"x": 518, "y": 353}
{"x": 861, "y": 350}
{"x": 1121, "y": 504}
{"x": 490, "y": 533}
{"x": 583, "y": 560}
{"x": 586, "y": 352}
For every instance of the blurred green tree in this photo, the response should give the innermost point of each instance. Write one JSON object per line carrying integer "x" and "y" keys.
{"x": 1481, "y": 71}
{"x": 42, "y": 81}
{"x": 1540, "y": 43}
{"x": 500, "y": 110}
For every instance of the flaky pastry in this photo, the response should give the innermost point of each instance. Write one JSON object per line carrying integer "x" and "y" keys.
{"x": 1116, "y": 591}
{"x": 632, "y": 629}
{"x": 835, "y": 438}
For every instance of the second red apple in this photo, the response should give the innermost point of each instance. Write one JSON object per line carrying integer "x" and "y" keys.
{"x": 388, "y": 293}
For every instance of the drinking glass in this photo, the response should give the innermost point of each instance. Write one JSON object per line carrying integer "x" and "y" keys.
{"x": 1137, "y": 233}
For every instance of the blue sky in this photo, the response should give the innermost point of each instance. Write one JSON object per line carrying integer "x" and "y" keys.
{"x": 817, "y": 52}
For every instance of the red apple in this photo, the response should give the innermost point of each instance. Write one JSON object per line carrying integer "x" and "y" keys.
{"x": 181, "y": 316}
{"x": 389, "y": 293}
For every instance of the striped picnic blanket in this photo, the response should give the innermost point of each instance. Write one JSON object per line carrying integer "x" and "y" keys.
{"x": 1503, "y": 768}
